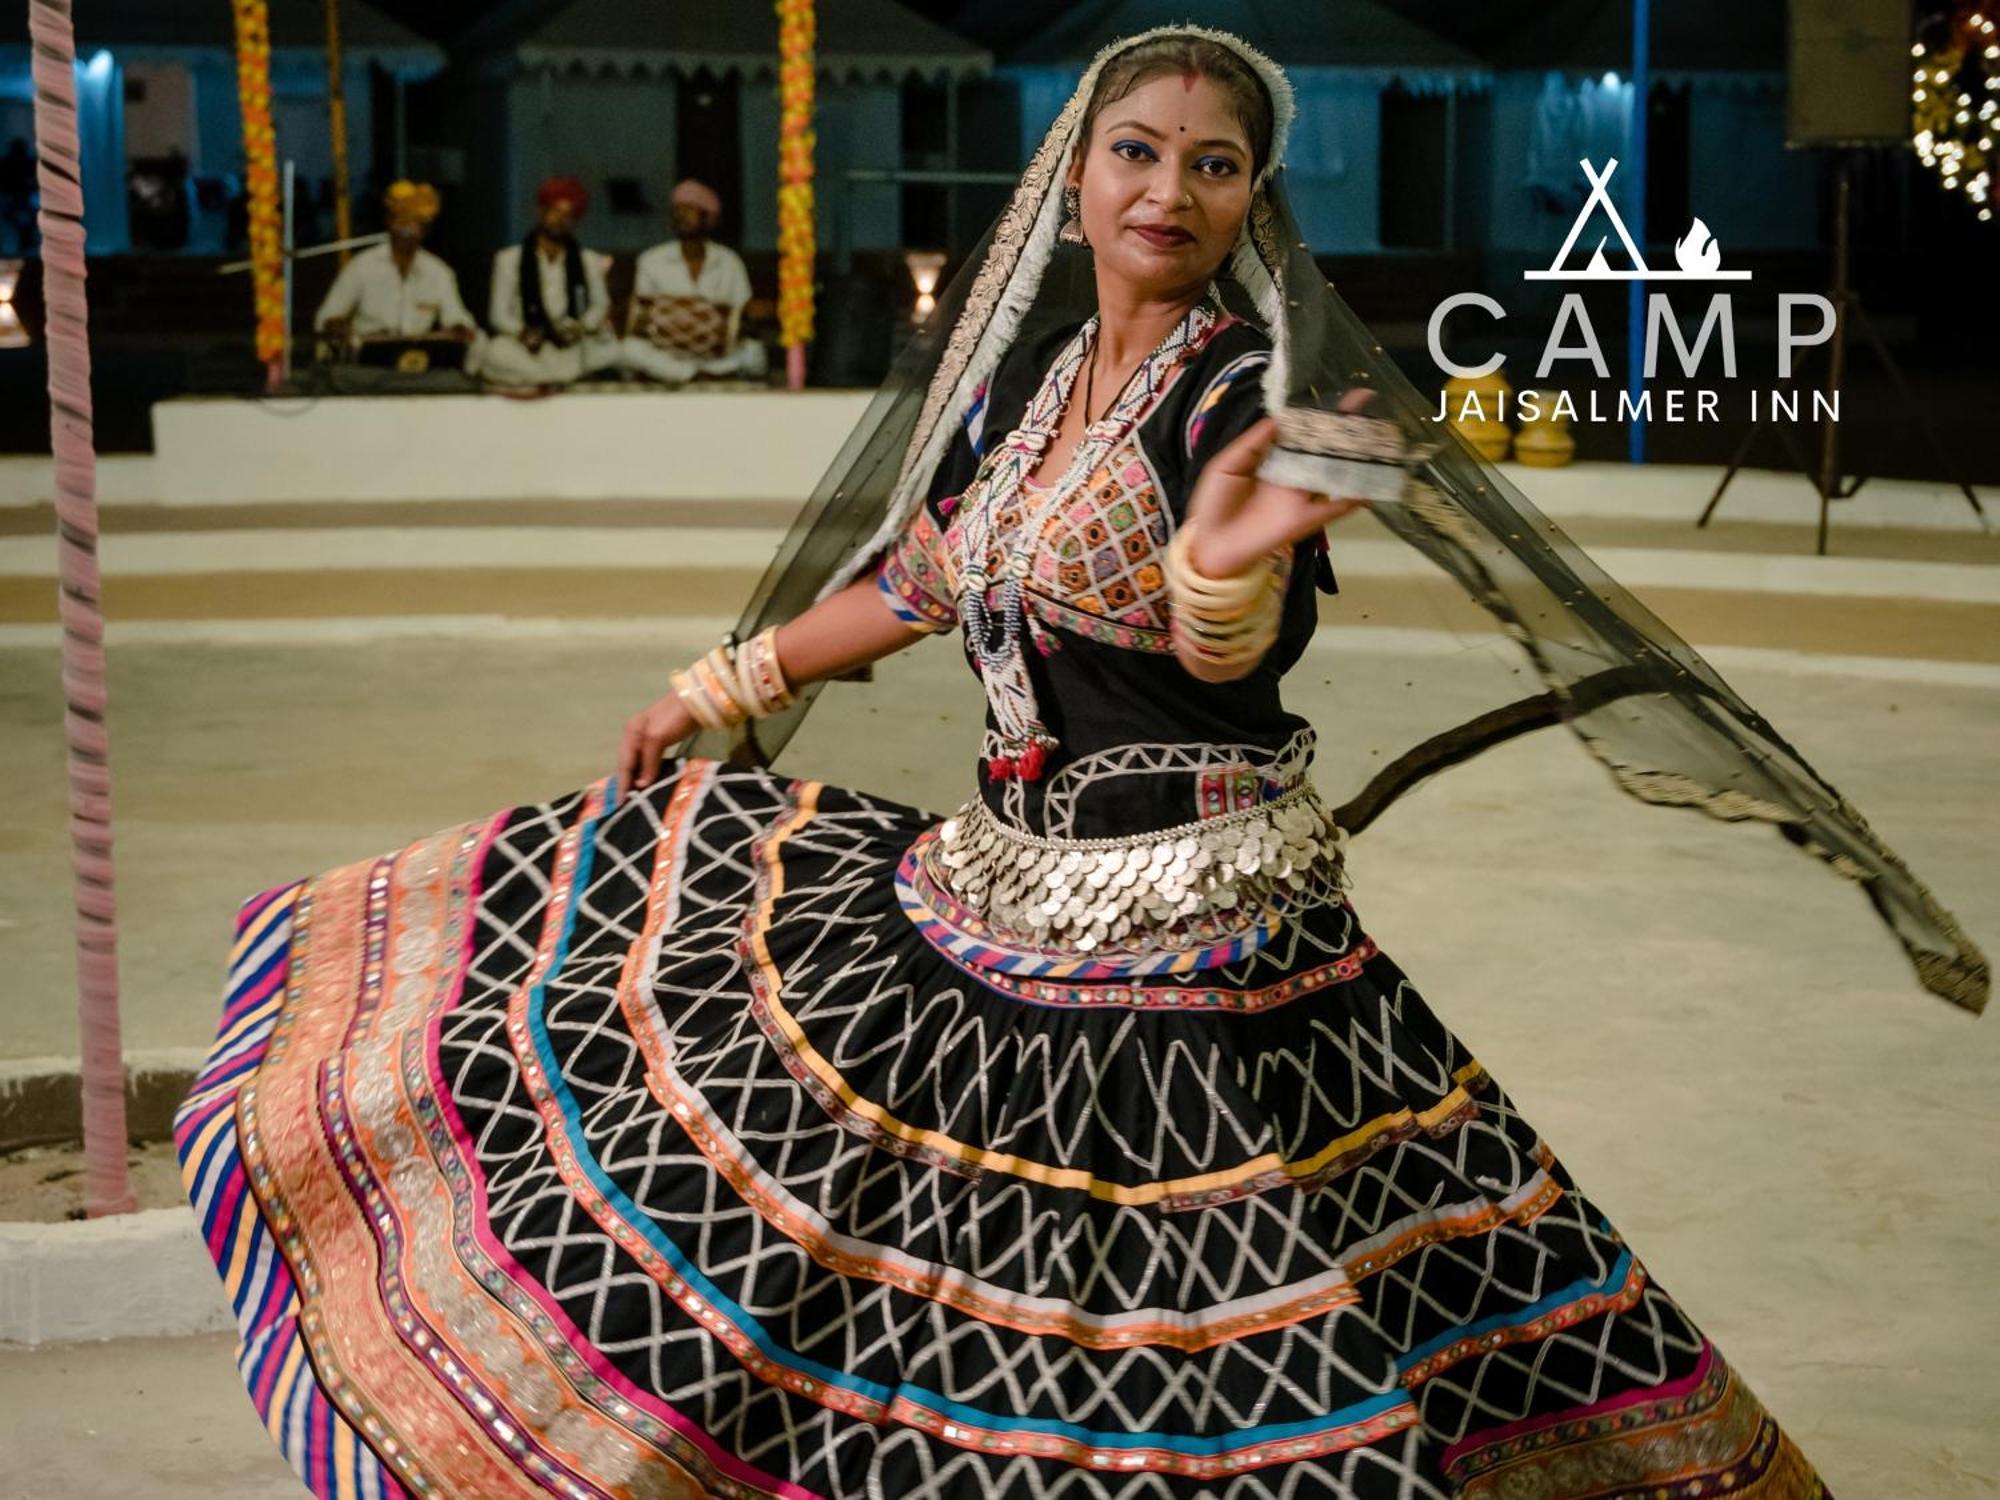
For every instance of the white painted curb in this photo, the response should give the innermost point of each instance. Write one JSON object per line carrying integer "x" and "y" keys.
{"x": 143, "y": 1275}
{"x": 700, "y": 445}
{"x": 385, "y": 549}
{"x": 122, "y": 479}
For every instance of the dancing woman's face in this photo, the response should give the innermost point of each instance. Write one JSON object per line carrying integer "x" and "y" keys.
{"x": 1165, "y": 183}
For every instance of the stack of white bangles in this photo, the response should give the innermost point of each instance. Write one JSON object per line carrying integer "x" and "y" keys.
{"x": 733, "y": 683}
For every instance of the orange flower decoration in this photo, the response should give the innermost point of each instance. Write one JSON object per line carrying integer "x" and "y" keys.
{"x": 260, "y": 153}
{"x": 796, "y": 244}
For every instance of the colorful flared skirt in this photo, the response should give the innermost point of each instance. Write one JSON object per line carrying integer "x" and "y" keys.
{"x": 658, "y": 1150}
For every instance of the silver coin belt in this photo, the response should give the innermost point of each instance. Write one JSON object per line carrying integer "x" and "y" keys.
{"x": 1174, "y": 888}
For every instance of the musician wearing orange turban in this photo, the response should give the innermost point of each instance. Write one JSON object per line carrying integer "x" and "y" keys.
{"x": 398, "y": 289}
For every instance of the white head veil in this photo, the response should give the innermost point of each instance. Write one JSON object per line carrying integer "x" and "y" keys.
{"x": 1005, "y": 283}
{"x": 1642, "y": 701}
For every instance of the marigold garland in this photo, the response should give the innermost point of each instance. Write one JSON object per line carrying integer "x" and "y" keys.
{"x": 260, "y": 156}
{"x": 796, "y": 244}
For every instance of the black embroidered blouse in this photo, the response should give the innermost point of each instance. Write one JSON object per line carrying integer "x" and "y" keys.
{"x": 1143, "y": 744}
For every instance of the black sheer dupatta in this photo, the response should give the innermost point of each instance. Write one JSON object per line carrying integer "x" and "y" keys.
{"x": 1639, "y": 699}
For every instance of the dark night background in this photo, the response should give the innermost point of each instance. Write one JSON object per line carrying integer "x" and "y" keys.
{"x": 1923, "y": 264}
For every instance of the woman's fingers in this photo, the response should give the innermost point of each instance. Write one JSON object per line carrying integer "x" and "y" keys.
{"x": 1242, "y": 517}
{"x": 1227, "y": 480}
{"x": 652, "y": 748}
{"x": 628, "y": 755}
{"x": 1242, "y": 455}
{"x": 649, "y": 735}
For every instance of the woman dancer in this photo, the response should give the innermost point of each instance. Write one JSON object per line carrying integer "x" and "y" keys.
{"x": 706, "y": 1132}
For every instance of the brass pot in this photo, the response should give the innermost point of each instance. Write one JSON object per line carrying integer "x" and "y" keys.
{"x": 1545, "y": 442}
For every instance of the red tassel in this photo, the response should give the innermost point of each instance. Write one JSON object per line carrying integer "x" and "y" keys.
{"x": 1031, "y": 762}
{"x": 1000, "y": 768}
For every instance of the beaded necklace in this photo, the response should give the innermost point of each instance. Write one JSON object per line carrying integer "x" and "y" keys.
{"x": 995, "y": 633}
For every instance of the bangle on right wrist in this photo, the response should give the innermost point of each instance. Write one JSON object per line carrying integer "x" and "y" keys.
{"x": 1227, "y": 620}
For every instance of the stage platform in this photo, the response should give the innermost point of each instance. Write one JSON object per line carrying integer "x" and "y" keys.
{"x": 609, "y": 443}
{"x": 595, "y": 443}
{"x": 612, "y": 443}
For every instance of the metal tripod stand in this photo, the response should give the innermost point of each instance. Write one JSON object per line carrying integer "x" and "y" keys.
{"x": 1826, "y": 475}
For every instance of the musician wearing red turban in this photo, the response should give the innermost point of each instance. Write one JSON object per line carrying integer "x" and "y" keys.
{"x": 549, "y": 302}
{"x": 688, "y": 297}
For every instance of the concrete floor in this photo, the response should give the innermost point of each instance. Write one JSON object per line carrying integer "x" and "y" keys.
{"x": 1716, "y": 1034}
{"x": 238, "y": 767}
{"x": 145, "y": 1420}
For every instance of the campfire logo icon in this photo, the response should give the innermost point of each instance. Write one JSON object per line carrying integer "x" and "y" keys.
{"x": 1696, "y": 253}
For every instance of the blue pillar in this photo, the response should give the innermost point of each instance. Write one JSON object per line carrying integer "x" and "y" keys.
{"x": 100, "y": 128}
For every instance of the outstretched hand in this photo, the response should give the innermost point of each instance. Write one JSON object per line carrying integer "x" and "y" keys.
{"x": 1240, "y": 518}
{"x": 648, "y": 735}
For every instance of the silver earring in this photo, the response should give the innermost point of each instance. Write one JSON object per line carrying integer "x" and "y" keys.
{"x": 1071, "y": 232}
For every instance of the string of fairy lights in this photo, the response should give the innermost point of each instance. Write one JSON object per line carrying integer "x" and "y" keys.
{"x": 1955, "y": 101}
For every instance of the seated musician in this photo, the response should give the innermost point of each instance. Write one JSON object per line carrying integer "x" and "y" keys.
{"x": 688, "y": 297}
{"x": 549, "y": 301}
{"x": 399, "y": 295}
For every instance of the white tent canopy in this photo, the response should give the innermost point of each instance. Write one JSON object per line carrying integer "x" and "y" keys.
{"x": 858, "y": 41}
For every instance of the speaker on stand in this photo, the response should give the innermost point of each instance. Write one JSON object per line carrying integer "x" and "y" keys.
{"x": 1847, "y": 93}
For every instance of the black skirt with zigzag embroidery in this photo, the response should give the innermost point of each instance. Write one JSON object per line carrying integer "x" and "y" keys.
{"x": 662, "y": 1149}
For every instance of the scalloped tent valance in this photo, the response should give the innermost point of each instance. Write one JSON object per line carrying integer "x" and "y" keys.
{"x": 1352, "y": 36}
{"x": 858, "y": 41}
{"x": 590, "y": 62}
{"x": 1718, "y": 81}
{"x": 1411, "y": 80}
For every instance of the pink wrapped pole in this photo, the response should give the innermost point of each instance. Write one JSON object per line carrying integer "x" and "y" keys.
{"x": 107, "y": 1185}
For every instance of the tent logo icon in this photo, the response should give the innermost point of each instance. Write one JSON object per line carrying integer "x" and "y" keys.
{"x": 1696, "y": 254}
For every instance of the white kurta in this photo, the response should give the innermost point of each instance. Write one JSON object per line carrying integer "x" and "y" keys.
{"x": 509, "y": 361}
{"x": 384, "y": 303}
{"x": 663, "y": 272}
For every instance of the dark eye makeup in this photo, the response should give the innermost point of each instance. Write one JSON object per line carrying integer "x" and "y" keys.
{"x": 1209, "y": 166}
